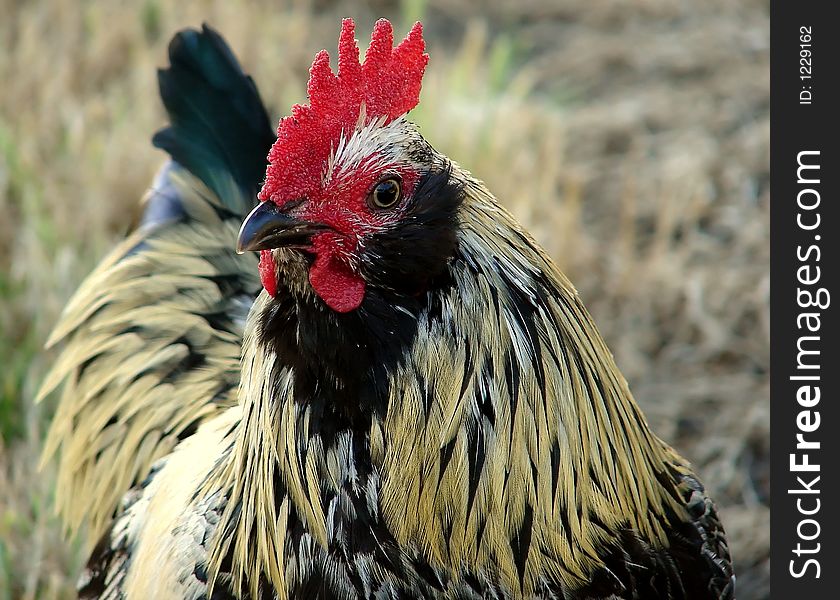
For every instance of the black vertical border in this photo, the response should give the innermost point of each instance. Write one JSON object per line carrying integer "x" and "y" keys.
{"x": 797, "y": 127}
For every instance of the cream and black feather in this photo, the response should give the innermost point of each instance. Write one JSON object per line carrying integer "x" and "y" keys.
{"x": 465, "y": 433}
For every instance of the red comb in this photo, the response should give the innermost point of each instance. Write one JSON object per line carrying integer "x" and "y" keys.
{"x": 388, "y": 83}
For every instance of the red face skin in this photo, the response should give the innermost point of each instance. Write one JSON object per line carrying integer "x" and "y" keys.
{"x": 343, "y": 205}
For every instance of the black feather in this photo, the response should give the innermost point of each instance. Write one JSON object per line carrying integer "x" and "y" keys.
{"x": 219, "y": 126}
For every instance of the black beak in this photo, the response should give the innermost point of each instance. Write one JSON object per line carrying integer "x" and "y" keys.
{"x": 267, "y": 227}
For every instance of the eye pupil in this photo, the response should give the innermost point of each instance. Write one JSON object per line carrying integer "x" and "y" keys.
{"x": 386, "y": 193}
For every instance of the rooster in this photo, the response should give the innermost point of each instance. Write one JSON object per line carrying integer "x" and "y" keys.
{"x": 404, "y": 397}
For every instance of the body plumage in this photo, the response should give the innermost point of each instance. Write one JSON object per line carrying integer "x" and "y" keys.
{"x": 417, "y": 404}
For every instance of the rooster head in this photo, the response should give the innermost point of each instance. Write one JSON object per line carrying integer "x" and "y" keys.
{"x": 355, "y": 201}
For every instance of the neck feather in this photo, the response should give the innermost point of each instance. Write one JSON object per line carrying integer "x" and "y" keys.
{"x": 504, "y": 417}
{"x": 510, "y": 416}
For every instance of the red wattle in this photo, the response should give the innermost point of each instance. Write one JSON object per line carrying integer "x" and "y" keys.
{"x": 268, "y": 272}
{"x": 334, "y": 282}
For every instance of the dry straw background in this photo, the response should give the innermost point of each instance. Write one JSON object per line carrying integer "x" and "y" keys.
{"x": 632, "y": 138}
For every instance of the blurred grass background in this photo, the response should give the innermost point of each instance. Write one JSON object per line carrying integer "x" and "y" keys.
{"x": 632, "y": 138}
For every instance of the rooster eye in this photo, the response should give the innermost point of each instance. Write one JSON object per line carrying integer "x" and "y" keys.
{"x": 385, "y": 194}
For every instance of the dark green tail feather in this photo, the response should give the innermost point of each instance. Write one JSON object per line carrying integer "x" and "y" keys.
{"x": 219, "y": 127}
